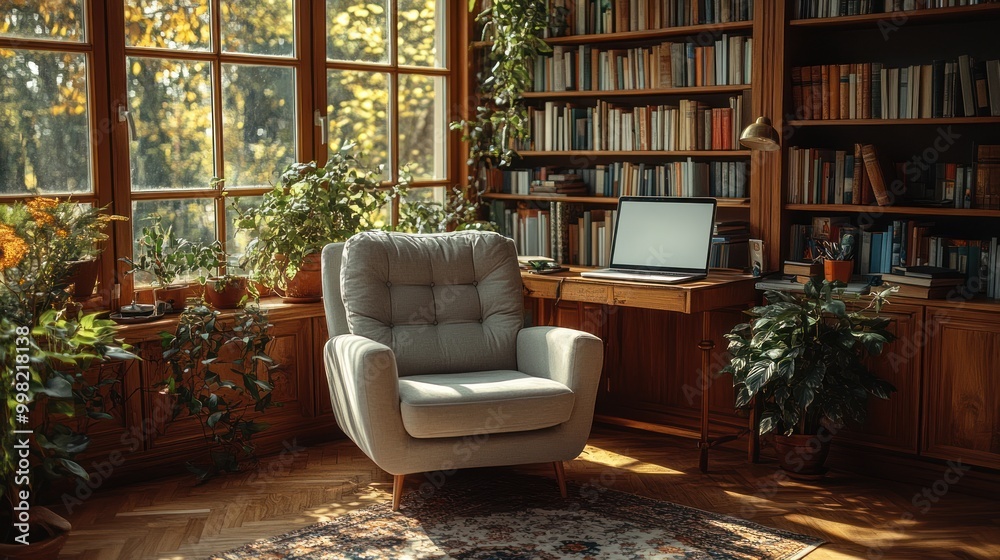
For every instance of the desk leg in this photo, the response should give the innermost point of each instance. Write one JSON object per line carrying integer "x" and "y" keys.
{"x": 706, "y": 345}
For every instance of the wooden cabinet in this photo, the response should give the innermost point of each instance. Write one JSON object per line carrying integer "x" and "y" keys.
{"x": 151, "y": 444}
{"x": 894, "y": 423}
{"x": 962, "y": 386}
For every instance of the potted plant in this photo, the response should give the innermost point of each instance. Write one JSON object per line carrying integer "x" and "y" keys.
{"x": 48, "y": 403}
{"x": 838, "y": 263}
{"x": 219, "y": 373}
{"x": 804, "y": 358}
{"x": 309, "y": 207}
{"x": 221, "y": 290}
{"x": 165, "y": 258}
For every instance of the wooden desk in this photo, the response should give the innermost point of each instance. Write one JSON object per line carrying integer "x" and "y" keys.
{"x": 719, "y": 291}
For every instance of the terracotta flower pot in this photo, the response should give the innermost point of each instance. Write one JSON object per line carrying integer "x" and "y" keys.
{"x": 173, "y": 295}
{"x": 83, "y": 276}
{"x": 838, "y": 270}
{"x": 307, "y": 284}
{"x": 48, "y": 533}
{"x": 803, "y": 456}
{"x": 225, "y": 295}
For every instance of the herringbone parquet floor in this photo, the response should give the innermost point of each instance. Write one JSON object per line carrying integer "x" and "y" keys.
{"x": 859, "y": 517}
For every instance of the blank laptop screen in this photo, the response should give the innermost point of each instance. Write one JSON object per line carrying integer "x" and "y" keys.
{"x": 663, "y": 234}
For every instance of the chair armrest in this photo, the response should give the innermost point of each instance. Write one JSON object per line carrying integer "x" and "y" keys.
{"x": 364, "y": 390}
{"x": 573, "y": 358}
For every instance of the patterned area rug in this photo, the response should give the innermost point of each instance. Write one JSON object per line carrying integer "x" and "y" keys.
{"x": 518, "y": 517}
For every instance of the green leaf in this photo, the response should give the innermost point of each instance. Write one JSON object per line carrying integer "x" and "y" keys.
{"x": 213, "y": 419}
{"x": 74, "y": 468}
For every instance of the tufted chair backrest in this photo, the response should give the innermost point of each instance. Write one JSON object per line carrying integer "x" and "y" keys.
{"x": 444, "y": 303}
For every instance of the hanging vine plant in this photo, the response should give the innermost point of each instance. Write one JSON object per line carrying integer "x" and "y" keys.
{"x": 514, "y": 30}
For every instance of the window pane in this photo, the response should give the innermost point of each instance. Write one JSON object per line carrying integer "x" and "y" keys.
{"x": 421, "y": 33}
{"x": 171, "y": 102}
{"x": 191, "y": 218}
{"x": 258, "y": 119}
{"x": 422, "y": 126}
{"x": 39, "y": 19}
{"x": 236, "y": 242}
{"x": 258, "y": 27}
{"x": 169, "y": 24}
{"x": 358, "y": 113}
{"x": 357, "y": 30}
{"x": 44, "y": 123}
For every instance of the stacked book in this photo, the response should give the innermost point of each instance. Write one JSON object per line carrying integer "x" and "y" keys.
{"x": 583, "y": 17}
{"x": 559, "y": 184}
{"x": 690, "y": 125}
{"x": 925, "y": 282}
{"x": 802, "y": 271}
{"x": 730, "y": 245}
{"x": 668, "y": 65}
{"x": 961, "y": 88}
{"x": 720, "y": 179}
{"x": 566, "y": 233}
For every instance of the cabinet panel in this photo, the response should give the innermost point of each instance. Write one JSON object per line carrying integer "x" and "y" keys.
{"x": 290, "y": 348}
{"x": 894, "y": 423}
{"x": 321, "y": 392}
{"x": 962, "y": 387}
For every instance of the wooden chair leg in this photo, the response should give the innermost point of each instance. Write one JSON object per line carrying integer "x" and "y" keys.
{"x": 560, "y": 477}
{"x": 397, "y": 490}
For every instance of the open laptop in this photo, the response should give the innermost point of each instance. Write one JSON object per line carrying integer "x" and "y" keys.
{"x": 666, "y": 240}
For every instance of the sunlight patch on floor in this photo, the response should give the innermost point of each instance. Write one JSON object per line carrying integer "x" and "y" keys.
{"x": 623, "y": 461}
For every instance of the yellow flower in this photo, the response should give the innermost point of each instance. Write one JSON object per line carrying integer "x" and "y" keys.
{"x": 12, "y": 247}
{"x": 62, "y": 233}
{"x": 41, "y": 210}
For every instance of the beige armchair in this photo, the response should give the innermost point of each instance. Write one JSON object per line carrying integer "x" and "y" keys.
{"x": 429, "y": 367}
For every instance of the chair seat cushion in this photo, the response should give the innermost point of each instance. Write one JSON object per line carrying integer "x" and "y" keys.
{"x": 482, "y": 402}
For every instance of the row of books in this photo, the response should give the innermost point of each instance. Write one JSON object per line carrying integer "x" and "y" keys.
{"x": 808, "y": 9}
{"x": 566, "y": 233}
{"x": 584, "y": 17}
{"x": 873, "y": 90}
{"x": 901, "y": 243}
{"x": 727, "y": 61}
{"x": 720, "y": 179}
{"x": 730, "y": 245}
{"x": 822, "y": 176}
{"x": 690, "y": 125}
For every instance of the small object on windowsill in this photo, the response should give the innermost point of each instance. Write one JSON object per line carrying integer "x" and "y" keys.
{"x": 137, "y": 310}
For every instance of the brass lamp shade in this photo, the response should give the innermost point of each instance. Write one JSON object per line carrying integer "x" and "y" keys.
{"x": 760, "y": 136}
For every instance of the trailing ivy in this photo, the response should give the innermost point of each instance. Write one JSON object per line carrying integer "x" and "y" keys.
{"x": 514, "y": 30}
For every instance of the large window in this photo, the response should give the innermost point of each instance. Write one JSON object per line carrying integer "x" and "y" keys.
{"x": 143, "y": 105}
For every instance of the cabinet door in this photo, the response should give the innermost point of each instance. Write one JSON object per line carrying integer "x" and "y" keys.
{"x": 893, "y": 423}
{"x": 962, "y": 387}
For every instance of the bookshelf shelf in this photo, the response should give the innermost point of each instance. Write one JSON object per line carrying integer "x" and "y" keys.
{"x": 934, "y": 15}
{"x": 637, "y": 153}
{"x": 910, "y": 210}
{"x": 893, "y": 122}
{"x": 722, "y": 202}
{"x": 636, "y": 92}
{"x": 642, "y": 35}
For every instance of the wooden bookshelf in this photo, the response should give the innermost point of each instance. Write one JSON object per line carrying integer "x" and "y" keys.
{"x": 636, "y": 153}
{"x": 721, "y": 202}
{"x": 646, "y": 35}
{"x": 893, "y": 122}
{"x": 895, "y": 210}
{"x": 696, "y": 90}
{"x": 932, "y": 15}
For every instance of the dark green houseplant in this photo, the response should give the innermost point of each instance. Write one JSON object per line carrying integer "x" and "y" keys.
{"x": 805, "y": 358}
{"x": 219, "y": 373}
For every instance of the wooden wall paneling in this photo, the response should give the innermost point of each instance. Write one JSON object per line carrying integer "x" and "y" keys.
{"x": 895, "y": 423}
{"x": 962, "y": 387}
{"x": 767, "y": 79}
{"x": 106, "y": 435}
